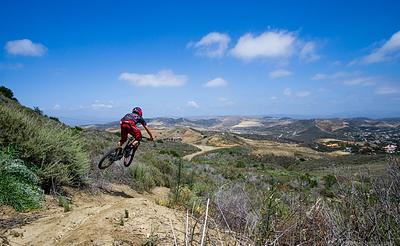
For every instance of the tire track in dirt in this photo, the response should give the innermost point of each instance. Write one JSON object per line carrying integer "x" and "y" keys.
{"x": 100, "y": 220}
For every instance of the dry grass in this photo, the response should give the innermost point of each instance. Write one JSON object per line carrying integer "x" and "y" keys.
{"x": 366, "y": 212}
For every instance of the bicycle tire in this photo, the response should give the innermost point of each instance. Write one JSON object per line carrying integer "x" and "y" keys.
{"x": 108, "y": 159}
{"x": 128, "y": 160}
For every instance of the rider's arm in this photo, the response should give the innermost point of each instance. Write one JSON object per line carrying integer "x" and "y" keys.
{"x": 148, "y": 131}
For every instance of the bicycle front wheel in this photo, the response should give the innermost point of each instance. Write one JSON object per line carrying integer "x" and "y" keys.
{"x": 128, "y": 156}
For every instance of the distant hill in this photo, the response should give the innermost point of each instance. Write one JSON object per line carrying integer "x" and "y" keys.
{"x": 303, "y": 130}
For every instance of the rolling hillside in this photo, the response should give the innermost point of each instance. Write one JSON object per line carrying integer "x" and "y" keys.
{"x": 277, "y": 128}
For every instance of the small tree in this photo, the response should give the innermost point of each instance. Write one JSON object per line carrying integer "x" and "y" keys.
{"x": 7, "y": 93}
{"x": 38, "y": 110}
{"x": 55, "y": 119}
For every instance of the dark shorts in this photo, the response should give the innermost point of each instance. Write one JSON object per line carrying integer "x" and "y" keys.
{"x": 130, "y": 128}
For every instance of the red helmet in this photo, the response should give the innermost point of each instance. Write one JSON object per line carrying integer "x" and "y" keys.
{"x": 137, "y": 110}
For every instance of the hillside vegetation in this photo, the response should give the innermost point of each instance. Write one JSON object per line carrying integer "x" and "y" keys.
{"x": 52, "y": 149}
{"x": 261, "y": 192}
{"x": 58, "y": 155}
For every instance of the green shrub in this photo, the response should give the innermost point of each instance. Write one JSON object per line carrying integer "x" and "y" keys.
{"x": 38, "y": 111}
{"x": 165, "y": 166}
{"x": 307, "y": 181}
{"x": 7, "y": 93}
{"x": 240, "y": 164}
{"x": 186, "y": 197}
{"x": 78, "y": 129}
{"x": 152, "y": 238}
{"x": 55, "y": 119}
{"x": 18, "y": 185}
{"x": 169, "y": 152}
{"x": 55, "y": 150}
{"x": 63, "y": 202}
{"x": 329, "y": 181}
{"x": 145, "y": 177}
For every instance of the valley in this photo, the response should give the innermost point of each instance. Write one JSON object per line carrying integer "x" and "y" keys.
{"x": 255, "y": 172}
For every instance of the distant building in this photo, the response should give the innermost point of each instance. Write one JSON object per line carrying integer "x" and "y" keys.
{"x": 333, "y": 145}
{"x": 390, "y": 149}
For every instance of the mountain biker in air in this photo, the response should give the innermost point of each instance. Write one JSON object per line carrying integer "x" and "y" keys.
{"x": 129, "y": 126}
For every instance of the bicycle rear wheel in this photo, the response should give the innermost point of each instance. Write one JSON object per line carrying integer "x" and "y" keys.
{"x": 109, "y": 158}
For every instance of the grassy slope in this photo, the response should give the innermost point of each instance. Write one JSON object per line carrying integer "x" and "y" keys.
{"x": 53, "y": 149}
{"x": 36, "y": 153}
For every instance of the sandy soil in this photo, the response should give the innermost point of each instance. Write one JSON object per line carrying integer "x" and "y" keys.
{"x": 248, "y": 123}
{"x": 97, "y": 220}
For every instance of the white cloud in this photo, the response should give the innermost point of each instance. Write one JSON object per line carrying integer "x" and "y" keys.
{"x": 287, "y": 92}
{"x": 225, "y": 101}
{"x": 164, "y": 78}
{"x": 57, "y": 107}
{"x": 303, "y": 93}
{"x": 337, "y": 75}
{"x": 25, "y": 47}
{"x": 273, "y": 98}
{"x": 319, "y": 76}
{"x": 213, "y": 44}
{"x": 389, "y": 50}
{"x": 386, "y": 90}
{"x": 278, "y": 44}
{"x": 355, "y": 78}
{"x": 97, "y": 105}
{"x": 217, "y": 82}
{"x": 360, "y": 81}
{"x": 272, "y": 44}
{"x": 308, "y": 52}
{"x": 193, "y": 104}
{"x": 279, "y": 73}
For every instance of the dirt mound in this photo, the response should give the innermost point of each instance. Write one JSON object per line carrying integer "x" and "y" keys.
{"x": 191, "y": 136}
{"x": 100, "y": 220}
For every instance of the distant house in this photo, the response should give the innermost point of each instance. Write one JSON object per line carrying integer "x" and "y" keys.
{"x": 333, "y": 145}
{"x": 390, "y": 149}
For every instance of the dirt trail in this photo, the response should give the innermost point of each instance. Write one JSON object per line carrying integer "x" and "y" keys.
{"x": 97, "y": 220}
{"x": 203, "y": 149}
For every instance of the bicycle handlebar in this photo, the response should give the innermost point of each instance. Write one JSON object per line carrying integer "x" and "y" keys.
{"x": 149, "y": 140}
{"x": 146, "y": 139}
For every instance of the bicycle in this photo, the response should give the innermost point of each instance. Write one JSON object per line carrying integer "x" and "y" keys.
{"x": 115, "y": 154}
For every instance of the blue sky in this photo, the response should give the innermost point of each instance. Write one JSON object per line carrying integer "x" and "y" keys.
{"x": 86, "y": 61}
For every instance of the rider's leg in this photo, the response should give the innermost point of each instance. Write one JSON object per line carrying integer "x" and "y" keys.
{"x": 124, "y": 135}
{"x": 135, "y": 143}
{"x": 137, "y": 134}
